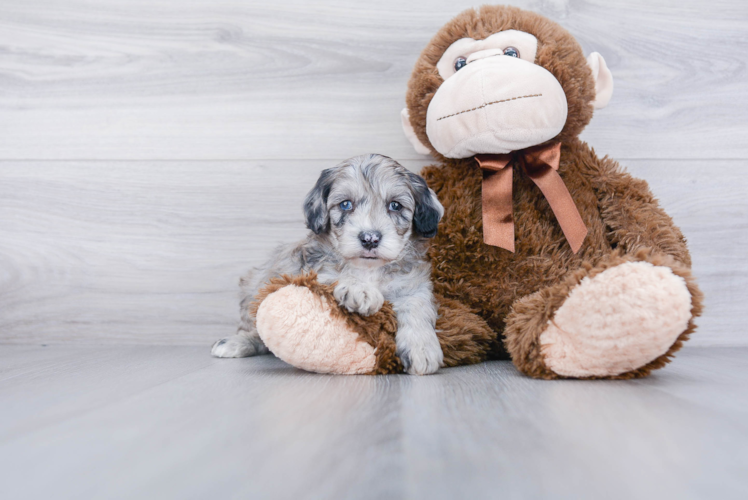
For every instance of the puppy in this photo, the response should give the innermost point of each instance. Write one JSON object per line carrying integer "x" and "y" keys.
{"x": 370, "y": 220}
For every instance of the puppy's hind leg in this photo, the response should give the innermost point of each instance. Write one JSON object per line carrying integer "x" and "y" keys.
{"x": 246, "y": 342}
{"x": 241, "y": 345}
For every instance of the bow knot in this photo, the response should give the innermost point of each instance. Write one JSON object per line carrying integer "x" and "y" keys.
{"x": 541, "y": 164}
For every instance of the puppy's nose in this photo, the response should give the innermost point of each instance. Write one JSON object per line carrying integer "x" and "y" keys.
{"x": 370, "y": 239}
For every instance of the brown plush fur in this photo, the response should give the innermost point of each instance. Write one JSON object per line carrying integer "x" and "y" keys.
{"x": 622, "y": 216}
{"x": 465, "y": 337}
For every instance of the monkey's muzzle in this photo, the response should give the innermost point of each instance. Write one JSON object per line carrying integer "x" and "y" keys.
{"x": 495, "y": 105}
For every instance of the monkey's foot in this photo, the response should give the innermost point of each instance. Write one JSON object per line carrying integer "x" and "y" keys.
{"x": 300, "y": 321}
{"x": 621, "y": 319}
{"x": 617, "y": 321}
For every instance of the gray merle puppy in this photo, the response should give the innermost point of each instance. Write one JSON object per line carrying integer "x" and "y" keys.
{"x": 370, "y": 220}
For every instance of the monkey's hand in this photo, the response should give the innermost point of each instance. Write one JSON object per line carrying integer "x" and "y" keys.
{"x": 358, "y": 297}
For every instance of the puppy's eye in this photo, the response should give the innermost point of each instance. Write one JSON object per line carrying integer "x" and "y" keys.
{"x": 346, "y": 205}
{"x": 395, "y": 206}
{"x": 511, "y": 51}
{"x": 460, "y": 63}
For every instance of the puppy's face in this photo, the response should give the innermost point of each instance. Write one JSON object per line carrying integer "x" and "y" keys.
{"x": 371, "y": 207}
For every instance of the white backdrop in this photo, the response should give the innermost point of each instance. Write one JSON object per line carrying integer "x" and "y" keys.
{"x": 152, "y": 150}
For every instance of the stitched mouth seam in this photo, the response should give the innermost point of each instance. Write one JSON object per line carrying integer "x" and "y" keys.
{"x": 489, "y": 104}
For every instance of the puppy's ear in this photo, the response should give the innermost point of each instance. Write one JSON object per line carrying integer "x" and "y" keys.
{"x": 428, "y": 210}
{"x": 315, "y": 205}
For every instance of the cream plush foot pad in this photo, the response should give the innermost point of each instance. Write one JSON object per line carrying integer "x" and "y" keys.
{"x": 299, "y": 327}
{"x": 617, "y": 321}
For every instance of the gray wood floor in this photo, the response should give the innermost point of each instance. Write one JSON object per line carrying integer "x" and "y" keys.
{"x": 172, "y": 422}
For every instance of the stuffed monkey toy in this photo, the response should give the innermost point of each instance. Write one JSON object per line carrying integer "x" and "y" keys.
{"x": 546, "y": 255}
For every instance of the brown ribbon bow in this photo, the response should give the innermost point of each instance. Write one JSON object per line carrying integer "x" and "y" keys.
{"x": 541, "y": 164}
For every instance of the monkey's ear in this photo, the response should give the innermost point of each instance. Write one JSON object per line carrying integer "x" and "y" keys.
{"x": 428, "y": 211}
{"x": 411, "y": 134}
{"x": 315, "y": 206}
{"x": 603, "y": 80}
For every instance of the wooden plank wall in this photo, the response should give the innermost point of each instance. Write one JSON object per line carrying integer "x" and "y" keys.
{"x": 152, "y": 150}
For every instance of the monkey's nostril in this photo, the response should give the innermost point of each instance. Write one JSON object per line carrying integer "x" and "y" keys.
{"x": 369, "y": 239}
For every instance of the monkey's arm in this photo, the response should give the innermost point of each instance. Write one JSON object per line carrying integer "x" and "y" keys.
{"x": 632, "y": 214}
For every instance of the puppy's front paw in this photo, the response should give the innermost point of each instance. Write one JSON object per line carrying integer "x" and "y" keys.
{"x": 359, "y": 298}
{"x": 421, "y": 354}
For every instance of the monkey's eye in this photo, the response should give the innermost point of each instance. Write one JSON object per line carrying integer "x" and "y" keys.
{"x": 395, "y": 206}
{"x": 346, "y": 205}
{"x": 511, "y": 51}
{"x": 460, "y": 63}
